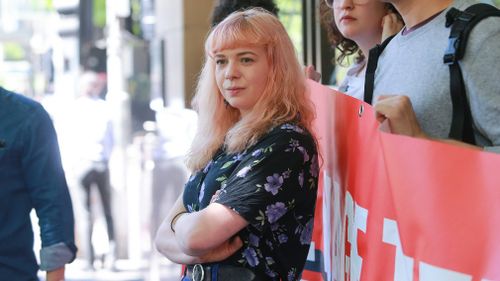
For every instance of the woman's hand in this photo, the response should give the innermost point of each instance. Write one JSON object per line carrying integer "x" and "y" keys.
{"x": 391, "y": 24}
{"x": 56, "y": 274}
{"x": 398, "y": 111}
{"x": 311, "y": 73}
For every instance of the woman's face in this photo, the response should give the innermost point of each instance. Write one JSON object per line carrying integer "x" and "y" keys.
{"x": 360, "y": 20}
{"x": 241, "y": 75}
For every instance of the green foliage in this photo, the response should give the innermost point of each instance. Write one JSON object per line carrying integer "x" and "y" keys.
{"x": 99, "y": 13}
{"x": 13, "y": 51}
{"x": 135, "y": 7}
{"x": 45, "y": 5}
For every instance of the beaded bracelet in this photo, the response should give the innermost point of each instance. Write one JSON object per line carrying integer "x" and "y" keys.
{"x": 172, "y": 222}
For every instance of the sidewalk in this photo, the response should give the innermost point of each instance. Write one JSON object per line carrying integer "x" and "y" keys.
{"x": 126, "y": 270}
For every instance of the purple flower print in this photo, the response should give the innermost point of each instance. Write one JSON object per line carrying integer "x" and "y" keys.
{"x": 314, "y": 166}
{"x": 274, "y": 182}
{"x": 306, "y": 235}
{"x": 275, "y": 211}
{"x": 251, "y": 256}
{"x": 243, "y": 172}
{"x": 282, "y": 238}
{"x": 301, "y": 179}
{"x": 253, "y": 240}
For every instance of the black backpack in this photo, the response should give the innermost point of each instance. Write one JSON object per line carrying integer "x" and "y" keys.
{"x": 462, "y": 23}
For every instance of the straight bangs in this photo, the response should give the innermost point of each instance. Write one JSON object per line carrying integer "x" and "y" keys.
{"x": 237, "y": 30}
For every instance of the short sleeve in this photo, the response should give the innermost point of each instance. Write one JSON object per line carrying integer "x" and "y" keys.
{"x": 273, "y": 178}
{"x": 480, "y": 73}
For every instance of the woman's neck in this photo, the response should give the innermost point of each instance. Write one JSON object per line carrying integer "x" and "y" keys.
{"x": 366, "y": 45}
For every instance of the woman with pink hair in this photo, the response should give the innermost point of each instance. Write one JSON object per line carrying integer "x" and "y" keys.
{"x": 247, "y": 211}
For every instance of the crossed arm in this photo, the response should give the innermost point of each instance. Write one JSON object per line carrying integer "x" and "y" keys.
{"x": 208, "y": 235}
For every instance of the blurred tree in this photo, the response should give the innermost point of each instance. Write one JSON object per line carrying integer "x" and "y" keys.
{"x": 13, "y": 51}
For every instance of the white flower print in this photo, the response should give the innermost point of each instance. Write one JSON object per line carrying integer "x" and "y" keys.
{"x": 202, "y": 192}
{"x": 243, "y": 172}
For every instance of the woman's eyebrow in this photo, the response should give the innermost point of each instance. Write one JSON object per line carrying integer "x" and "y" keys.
{"x": 246, "y": 53}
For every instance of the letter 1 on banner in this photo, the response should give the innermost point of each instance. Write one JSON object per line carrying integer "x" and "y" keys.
{"x": 403, "y": 267}
{"x": 357, "y": 217}
{"x": 338, "y": 240}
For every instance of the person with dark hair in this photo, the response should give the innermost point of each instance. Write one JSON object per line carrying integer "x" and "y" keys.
{"x": 354, "y": 27}
{"x": 32, "y": 177}
{"x": 247, "y": 212}
{"x": 225, "y": 7}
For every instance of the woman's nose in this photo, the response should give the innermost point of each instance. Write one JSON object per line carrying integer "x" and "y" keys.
{"x": 232, "y": 71}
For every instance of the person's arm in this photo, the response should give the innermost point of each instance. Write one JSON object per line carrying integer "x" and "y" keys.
{"x": 266, "y": 185}
{"x": 200, "y": 232}
{"x": 46, "y": 184}
{"x": 168, "y": 243}
{"x": 56, "y": 274}
{"x": 480, "y": 68}
{"x": 398, "y": 111}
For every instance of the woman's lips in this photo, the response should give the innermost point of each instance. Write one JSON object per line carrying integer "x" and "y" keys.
{"x": 347, "y": 19}
{"x": 234, "y": 90}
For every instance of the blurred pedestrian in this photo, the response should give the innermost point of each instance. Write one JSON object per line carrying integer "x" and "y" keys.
{"x": 92, "y": 143}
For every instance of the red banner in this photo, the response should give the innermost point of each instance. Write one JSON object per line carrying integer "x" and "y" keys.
{"x": 399, "y": 208}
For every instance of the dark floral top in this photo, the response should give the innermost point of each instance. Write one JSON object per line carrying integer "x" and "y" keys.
{"x": 273, "y": 186}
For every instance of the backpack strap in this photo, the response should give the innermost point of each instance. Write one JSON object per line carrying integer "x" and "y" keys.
{"x": 371, "y": 67}
{"x": 462, "y": 23}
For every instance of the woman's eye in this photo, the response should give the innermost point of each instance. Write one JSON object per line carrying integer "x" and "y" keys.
{"x": 220, "y": 61}
{"x": 246, "y": 60}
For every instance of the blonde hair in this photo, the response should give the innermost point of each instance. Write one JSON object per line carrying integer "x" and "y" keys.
{"x": 284, "y": 98}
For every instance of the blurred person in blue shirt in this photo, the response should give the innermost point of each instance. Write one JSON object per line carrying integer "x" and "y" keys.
{"x": 31, "y": 177}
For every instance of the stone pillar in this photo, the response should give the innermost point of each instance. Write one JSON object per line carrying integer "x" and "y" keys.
{"x": 183, "y": 25}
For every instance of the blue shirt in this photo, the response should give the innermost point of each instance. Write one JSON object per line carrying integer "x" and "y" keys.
{"x": 31, "y": 176}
